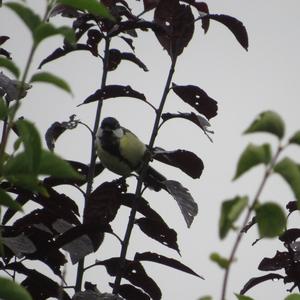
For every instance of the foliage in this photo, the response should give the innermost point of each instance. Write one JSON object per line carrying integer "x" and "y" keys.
{"x": 32, "y": 174}
{"x": 269, "y": 216}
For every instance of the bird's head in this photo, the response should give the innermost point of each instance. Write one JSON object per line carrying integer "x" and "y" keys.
{"x": 110, "y": 126}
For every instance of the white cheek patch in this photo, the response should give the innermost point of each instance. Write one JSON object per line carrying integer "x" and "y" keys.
{"x": 99, "y": 132}
{"x": 118, "y": 132}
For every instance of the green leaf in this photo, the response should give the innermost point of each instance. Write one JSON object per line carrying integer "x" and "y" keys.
{"x": 230, "y": 211}
{"x": 31, "y": 19}
{"x": 219, "y": 260}
{"x": 295, "y": 139}
{"x": 91, "y": 6}
{"x": 10, "y": 66}
{"x": 7, "y": 201}
{"x": 269, "y": 122}
{"x": 3, "y": 109}
{"x": 32, "y": 143}
{"x": 205, "y": 298}
{"x": 53, "y": 165}
{"x": 293, "y": 297}
{"x": 290, "y": 171}
{"x": 243, "y": 297}
{"x": 45, "y": 30}
{"x": 252, "y": 156}
{"x": 52, "y": 79}
{"x": 271, "y": 219}
{"x": 10, "y": 290}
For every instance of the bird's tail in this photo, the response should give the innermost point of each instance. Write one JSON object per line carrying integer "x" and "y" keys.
{"x": 153, "y": 179}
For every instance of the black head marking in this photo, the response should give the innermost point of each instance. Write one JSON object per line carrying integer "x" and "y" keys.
{"x": 110, "y": 123}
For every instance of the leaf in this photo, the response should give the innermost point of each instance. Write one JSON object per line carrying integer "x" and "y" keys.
{"x": 281, "y": 260}
{"x": 131, "y": 57}
{"x": 31, "y": 19}
{"x": 52, "y": 79}
{"x": 234, "y": 25}
{"x": 177, "y": 20}
{"x": 3, "y": 109}
{"x": 290, "y": 172}
{"x": 60, "y": 52}
{"x": 10, "y": 66}
{"x": 135, "y": 273}
{"x": 196, "y": 119}
{"x": 10, "y": 290}
{"x": 219, "y": 260}
{"x": 45, "y": 30}
{"x": 293, "y": 297}
{"x": 257, "y": 280}
{"x": 170, "y": 262}
{"x": 159, "y": 231}
{"x": 57, "y": 128}
{"x": 230, "y": 211}
{"x": 252, "y": 156}
{"x": 32, "y": 143}
{"x": 205, "y": 298}
{"x": 271, "y": 220}
{"x": 3, "y": 39}
{"x": 186, "y": 161}
{"x": 242, "y": 297}
{"x": 197, "y": 98}
{"x": 53, "y": 165}
{"x": 91, "y": 6}
{"x": 295, "y": 139}
{"x": 128, "y": 291}
{"x": 6, "y": 200}
{"x": 113, "y": 91}
{"x": 268, "y": 121}
{"x": 185, "y": 201}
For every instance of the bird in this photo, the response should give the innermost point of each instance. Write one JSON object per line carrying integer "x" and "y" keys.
{"x": 123, "y": 153}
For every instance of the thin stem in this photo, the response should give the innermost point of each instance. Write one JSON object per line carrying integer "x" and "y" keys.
{"x": 80, "y": 268}
{"x": 239, "y": 237}
{"x": 139, "y": 186}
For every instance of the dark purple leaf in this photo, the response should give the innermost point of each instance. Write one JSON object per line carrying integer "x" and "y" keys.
{"x": 81, "y": 168}
{"x": 134, "y": 272}
{"x": 279, "y": 261}
{"x": 114, "y": 59}
{"x": 159, "y": 231}
{"x": 234, "y": 25}
{"x": 131, "y": 57}
{"x": 127, "y": 26}
{"x": 185, "y": 201}
{"x": 65, "y": 11}
{"x": 257, "y": 280}
{"x": 196, "y": 119}
{"x": 203, "y": 10}
{"x": 102, "y": 208}
{"x": 57, "y": 128}
{"x": 150, "y": 4}
{"x": 290, "y": 235}
{"x": 94, "y": 38}
{"x": 186, "y": 161}
{"x": 128, "y": 41}
{"x": 128, "y": 291}
{"x": 5, "y": 53}
{"x": 114, "y": 91}
{"x": 178, "y": 23}
{"x": 3, "y": 39}
{"x": 170, "y": 262}
{"x": 60, "y": 52}
{"x": 143, "y": 207}
{"x": 38, "y": 285}
{"x": 197, "y": 98}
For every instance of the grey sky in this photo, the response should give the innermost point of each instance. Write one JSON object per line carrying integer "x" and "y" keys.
{"x": 244, "y": 84}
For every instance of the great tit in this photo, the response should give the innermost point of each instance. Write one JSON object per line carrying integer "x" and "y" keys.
{"x": 122, "y": 152}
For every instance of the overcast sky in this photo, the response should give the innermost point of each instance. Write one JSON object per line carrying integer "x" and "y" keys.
{"x": 244, "y": 84}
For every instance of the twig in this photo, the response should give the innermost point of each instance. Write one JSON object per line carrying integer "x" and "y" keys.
{"x": 236, "y": 244}
{"x": 140, "y": 181}
{"x": 80, "y": 269}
